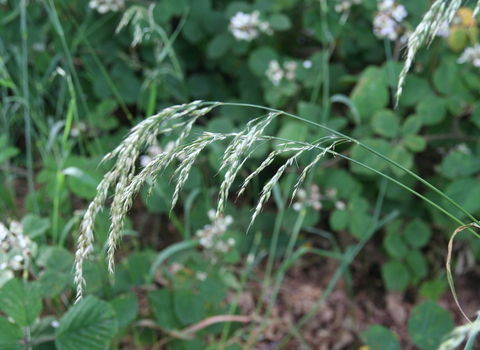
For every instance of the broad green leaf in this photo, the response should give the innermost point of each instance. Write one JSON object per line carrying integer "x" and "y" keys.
{"x": 432, "y": 110}
{"x": 377, "y": 337}
{"x": 260, "y": 58}
{"x": 219, "y": 45}
{"x": 199, "y": 85}
{"x": 7, "y": 153}
{"x": 212, "y": 290}
{"x": 417, "y": 233}
{"x": 90, "y": 324}
{"x": 21, "y": 301}
{"x": 415, "y": 143}
{"x": 465, "y": 192}
{"x": 292, "y": 130}
{"x": 395, "y": 275}
{"x": 11, "y": 335}
{"x": 446, "y": 78}
{"x": 126, "y": 308}
{"x": 359, "y": 223}
{"x": 345, "y": 184}
{"x": 53, "y": 283}
{"x": 338, "y": 219}
{"x": 459, "y": 164}
{"x": 386, "y": 123}
{"x": 189, "y": 307}
{"x": 415, "y": 90}
{"x": 55, "y": 258}
{"x": 411, "y": 125}
{"x": 367, "y": 158}
{"x": 433, "y": 289}
{"x": 280, "y": 22}
{"x": 34, "y": 225}
{"x": 370, "y": 94}
{"x": 402, "y": 157}
{"x": 309, "y": 111}
{"x": 417, "y": 263}
{"x": 193, "y": 30}
{"x": 163, "y": 308}
{"x": 428, "y": 324}
{"x": 395, "y": 245}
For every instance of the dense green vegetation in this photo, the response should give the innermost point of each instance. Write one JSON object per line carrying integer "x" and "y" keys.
{"x": 240, "y": 139}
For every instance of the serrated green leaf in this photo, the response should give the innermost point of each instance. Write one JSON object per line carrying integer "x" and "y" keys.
{"x": 21, "y": 301}
{"x": 428, "y": 324}
{"x": 309, "y": 111}
{"x": 11, "y": 335}
{"x": 377, "y": 337}
{"x": 411, "y": 125}
{"x": 433, "y": 289}
{"x": 163, "y": 308}
{"x": 88, "y": 325}
{"x": 53, "y": 283}
{"x": 34, "y": 225}
{"x": 395, "y": 275}
{"x": 415, "y": 90}
{"x": 189, "y": 307}
{"x": 126, "y": 308}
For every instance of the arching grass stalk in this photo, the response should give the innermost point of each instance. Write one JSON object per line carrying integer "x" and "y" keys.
{"x": 126, "y": 182}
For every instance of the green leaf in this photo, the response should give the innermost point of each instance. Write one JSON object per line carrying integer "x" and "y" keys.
{"x": 55, "y": 258}
{"x": 446, "y": 78}
{"x": 465, "y": 192}
{"x": 401, "y": 156}
{"x": 433, "y": 289}
{"x": 219, "y": 45}
{"x": 386, "y": 123}
{"x": 417, "y": 233}
{"x": 280, "y": 22}
{"x": 415, "y": 143}
{"x": 189, "y": 307}
{"x": 199, "y": 85}
{"x": 292, "y": 130}
{"x": 411, "y": 125}
{"x": 366, "y": 157}
{"x": 309, "y": 111}
{"x": 21, "y": 301}
{"x": 395, "y": 275}
{"x": 359, "y": 223}
{"x": 260, "y": 58}
{"x": 53, "y": 283}
{"x": 432, "y": 110}
{"x": 415, "y": 90}
{"x": 370, "y": 94}
{"x": 417, "y": 264}
{"x": 88, "y": 325}
{"x": 395, "y": 245}
{"x": 34, "y": 225}
{"x": 11, "y": 335}
{"x": 459, "y": 164}
{"x": 126, "y": 308}
{"x": 428, "y": 324}
{"x": 212, "y": 290}
{"x": 377, "y": 337}
{"x": 338, "y": 220}
{"x": 7, "y": 153}
{"x": 162, "y": 304}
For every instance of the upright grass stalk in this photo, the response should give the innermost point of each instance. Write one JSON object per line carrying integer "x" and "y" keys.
{"x": 26, "y": 104}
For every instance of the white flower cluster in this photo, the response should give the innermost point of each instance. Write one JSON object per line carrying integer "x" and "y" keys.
{"x": 471, "y": 55}
{"x": 246, "y": 26}
{"x": 343, "y": 6}
{"x": 387, "y": 21}
{"x": 314, "y": 198}
{"x": 15, "y": 250}
{"x": 275, "y": 73}
{"x": 210, "y": 235}
{"x": 103, "y": 6}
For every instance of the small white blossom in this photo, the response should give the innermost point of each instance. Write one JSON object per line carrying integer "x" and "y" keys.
{"x": 55, "y": 324}
{"x": 103, "y": 6}
{"x": 274, "y": 72}
{"x": 246, "y": 26}
{"x": 444, "y": 30}
{"x": 345, "y": 5}
{"x": 340, "y": 205}
{"x": 471, "y": 55}
{"x": 210, "y": 236}
{"x": 387, "y": 21}
{"x": 201, "y": 276}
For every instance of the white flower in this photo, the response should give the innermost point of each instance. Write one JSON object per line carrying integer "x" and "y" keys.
{"x": 471, "y": 55}
{"x": 399, "y": 13}
{"x": 201, "y": 276}
{"x": 387, "y": 21}
{"x": 290, "y": 68}
{"x": 340, "y": 205}
{"x": 274, "y": 72}
{"x": 55, "y": 324}
{"x": 103, "y": 6}
{"x": 245, "y": 26}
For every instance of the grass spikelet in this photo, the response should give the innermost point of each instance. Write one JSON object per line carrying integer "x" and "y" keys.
{"x": 425, "y": 32}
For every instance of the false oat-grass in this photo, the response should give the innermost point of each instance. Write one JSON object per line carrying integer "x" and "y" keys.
{"x": 439, "y": 12}
{"x": 126, "y": 182}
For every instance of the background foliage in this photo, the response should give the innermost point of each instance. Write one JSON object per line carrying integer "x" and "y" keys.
{"x": 76, "y": 76}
